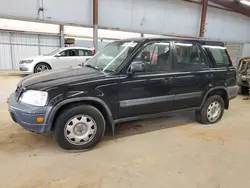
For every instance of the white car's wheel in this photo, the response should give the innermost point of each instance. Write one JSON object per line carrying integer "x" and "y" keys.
{"x": 41, "y": 67}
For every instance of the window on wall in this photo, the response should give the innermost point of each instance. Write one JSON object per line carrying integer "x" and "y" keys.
{"x": 155, "y": 56}
{"x": 189, "y": 57}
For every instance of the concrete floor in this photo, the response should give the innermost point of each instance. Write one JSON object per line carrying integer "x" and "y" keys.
{"x": 173, "y": 151}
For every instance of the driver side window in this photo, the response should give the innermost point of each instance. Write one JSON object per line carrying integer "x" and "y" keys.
{"x": 66, "y": 53}
{"x": 155, "y": 56}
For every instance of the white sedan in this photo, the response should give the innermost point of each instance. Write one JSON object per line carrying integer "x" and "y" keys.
{"x": 63, "y": 57}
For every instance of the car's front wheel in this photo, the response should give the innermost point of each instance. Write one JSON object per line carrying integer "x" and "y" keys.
{"x": 41, "y": 67}
{"x": 80, "y": 127}
{"x": 212, "y": 111}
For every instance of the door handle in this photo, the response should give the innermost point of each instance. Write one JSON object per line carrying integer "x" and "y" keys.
{"x": 210, "y": 75}
{"x": 168, "y": 80}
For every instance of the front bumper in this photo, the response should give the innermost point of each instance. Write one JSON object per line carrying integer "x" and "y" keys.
{"x": 26, "y": 115}
{"x": 243, "y": 80}
{"x": 26, "y": 68}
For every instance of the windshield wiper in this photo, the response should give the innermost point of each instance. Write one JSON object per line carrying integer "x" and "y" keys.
{"x": 96, "y": 68}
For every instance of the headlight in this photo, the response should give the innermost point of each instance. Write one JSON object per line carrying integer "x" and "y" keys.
{"x": 36, "y": 98}
{"x": 26, "y": 61}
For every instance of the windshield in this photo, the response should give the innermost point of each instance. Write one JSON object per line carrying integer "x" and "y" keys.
{"x": 112, "y": 56}
{"x": 54, "y": 52}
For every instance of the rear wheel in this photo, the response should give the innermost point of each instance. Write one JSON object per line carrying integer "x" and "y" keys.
{"x": 244, "y": 90}
{"x": 212, "y": 111}
{"x": 40, "y": 67}
{"x": 80, "y": 127}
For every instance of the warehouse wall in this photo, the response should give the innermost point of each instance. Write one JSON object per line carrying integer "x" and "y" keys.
{"x": 156, "y": 16}
{"x": 227, "y": 26}
{"x": 174, "y": 17}
{"x": 246, "y": 50}
{"x": 16, "y": 46}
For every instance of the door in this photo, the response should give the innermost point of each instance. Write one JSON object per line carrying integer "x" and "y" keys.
{"x": 192, "y": 74}
{"x": 83, "y": 56}
{"x": 150, "y": 91}
{"x": 67, "y": 58}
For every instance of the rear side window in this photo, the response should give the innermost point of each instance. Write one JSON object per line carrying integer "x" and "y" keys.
{"x": 220, "y": 56}
{"x": 189, "y": 57}
{"x": 85, "y": 53}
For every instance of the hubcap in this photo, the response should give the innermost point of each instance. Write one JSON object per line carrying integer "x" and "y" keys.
{"x": 80, "y": 129}
{"x": 214, "y": 111}
{"x": 42, "y": 68}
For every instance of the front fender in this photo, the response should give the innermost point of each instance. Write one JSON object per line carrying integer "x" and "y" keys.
{"x": 80, "y": 99}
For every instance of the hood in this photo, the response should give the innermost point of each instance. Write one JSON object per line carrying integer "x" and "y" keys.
{"x": 36, "y": 58}
{"x": 53, "y": 78}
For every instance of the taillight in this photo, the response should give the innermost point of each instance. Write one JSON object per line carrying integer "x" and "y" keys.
{"x": 230, "y": 59}
{"x": 93, "y": 51}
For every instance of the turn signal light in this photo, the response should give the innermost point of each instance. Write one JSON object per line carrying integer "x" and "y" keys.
{"x": 39, "y": 119}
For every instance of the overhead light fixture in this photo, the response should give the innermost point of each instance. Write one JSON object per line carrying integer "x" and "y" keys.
{"x": 245, "y": 2}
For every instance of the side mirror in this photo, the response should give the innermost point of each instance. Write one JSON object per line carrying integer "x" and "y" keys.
{"x": 58, "y": 55}
{"x": 137, "y": 67}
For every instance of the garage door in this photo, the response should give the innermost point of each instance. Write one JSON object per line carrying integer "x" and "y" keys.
{"x": 234, "y": 49}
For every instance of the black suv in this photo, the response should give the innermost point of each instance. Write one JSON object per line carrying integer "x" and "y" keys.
{"x": 127, "y": 80}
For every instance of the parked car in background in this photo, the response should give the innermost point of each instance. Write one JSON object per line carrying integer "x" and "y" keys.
{"x": 243, "y": 75}
{"x": 63, "y": 57}
{"x": 125, "y": 81}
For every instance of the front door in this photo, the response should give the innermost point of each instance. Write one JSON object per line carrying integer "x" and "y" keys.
{"x": 192, "y": 72}
{"x": 67, "y": 58}
{"x": 150, "y": 91}
{"x": 83, "y": 56}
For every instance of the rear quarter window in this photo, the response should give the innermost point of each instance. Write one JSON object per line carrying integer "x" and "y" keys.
{"x": 219, "y": 55}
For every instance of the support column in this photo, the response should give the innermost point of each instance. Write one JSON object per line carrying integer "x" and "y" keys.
{"x": 11, "y": 53}
{"x": 203, "y": 17}
{"x": 95, "y": 24}
{"x": 62, "y": 36}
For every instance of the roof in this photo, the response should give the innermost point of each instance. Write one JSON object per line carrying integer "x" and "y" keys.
{"x": 73, "y": 47}
{"x": 201, "y": 41}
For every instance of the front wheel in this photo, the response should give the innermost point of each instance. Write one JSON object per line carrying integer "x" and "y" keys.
{"x": 80, "y": 127}
{"x": 212, "y": 111}
{"x": 41, "y": 67}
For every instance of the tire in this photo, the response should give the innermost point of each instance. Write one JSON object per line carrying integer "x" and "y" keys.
{"x": 74, "y": 132}
{"x": 212, "y": 104}
{"x": 243, "y": 90}
{"x": 40, "y": 67}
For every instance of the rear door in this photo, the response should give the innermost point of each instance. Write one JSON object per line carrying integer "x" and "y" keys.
{"x": 192, "y": 72}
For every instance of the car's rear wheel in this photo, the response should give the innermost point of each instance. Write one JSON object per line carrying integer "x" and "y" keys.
{"x": 212, "y": 111}
{"x": 41, "y": 67}
{"x": 243, "y": 90}
{"x": 80, "y": 127}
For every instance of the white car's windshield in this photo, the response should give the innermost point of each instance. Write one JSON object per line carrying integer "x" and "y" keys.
{"x": 54, "y": 52}
{"x": 112, "y": 56}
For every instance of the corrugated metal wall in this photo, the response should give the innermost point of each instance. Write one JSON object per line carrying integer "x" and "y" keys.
{"x": 16, "y": 46}
{"x": 234, "y": 50}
